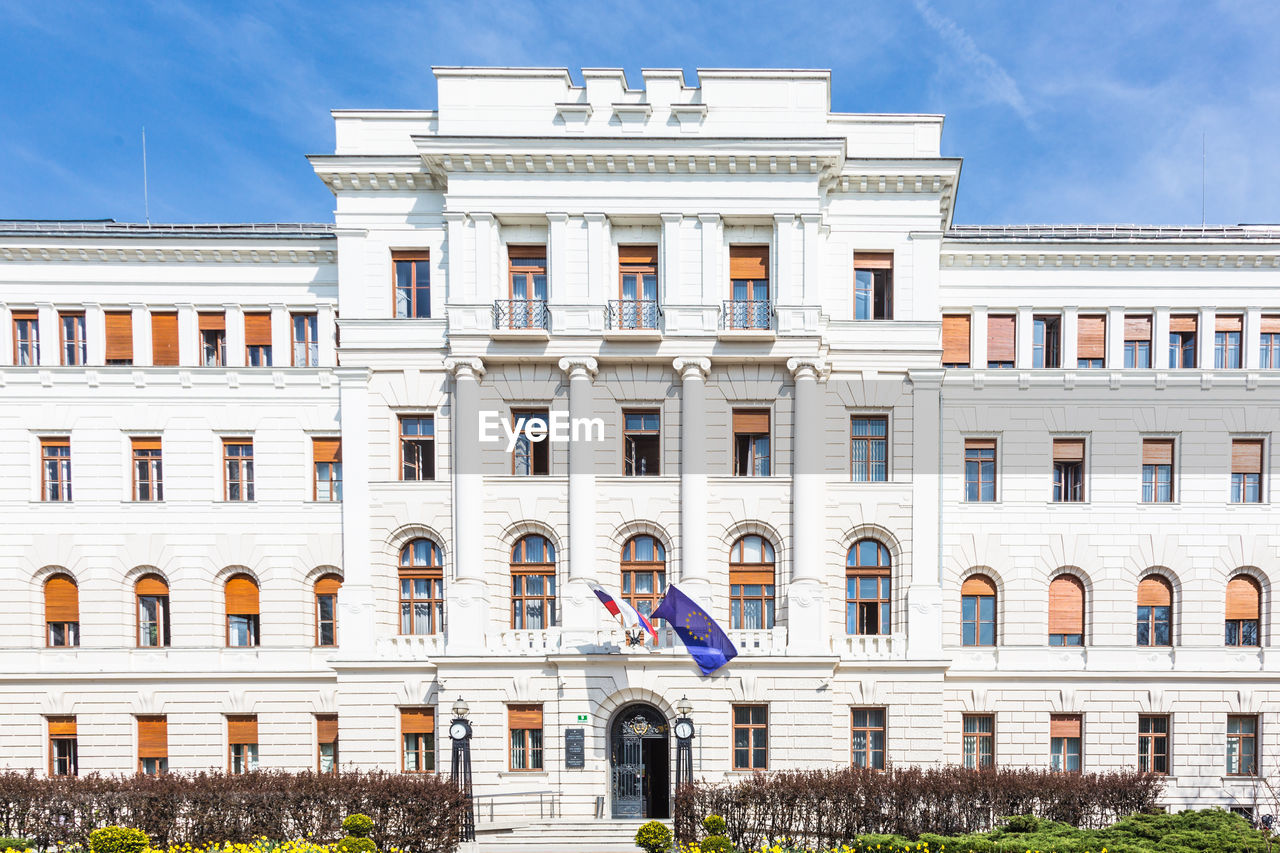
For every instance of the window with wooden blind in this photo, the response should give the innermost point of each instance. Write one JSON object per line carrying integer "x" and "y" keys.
{"x": 524, "y": 727}
{"x": 421, "y": 579}
{"x": 1227, "y": 332}
{"x": 1246, "y": 470}
{"x": 327, "y": 743}
{"x": 257, "y": 338}
{"x": 533, "y": 583}
{"x": 164, "y": 338}
{"x": 242, "y": 742}
{"x": 237, "y": 469}
{"x": 242, "y": 611}
{"x": 527, "y": 274}
{"x": 213, "y": 338}
{"x": 637, "y": 305}
{"x": 1091, "y": 340}
{"x": 1066, "y": 611}
{"x": 1242, "y": 745}
{"x": 306, "y": 339}
{"x": 868, "y": 588}
{"x": 644, "y": 572}
{"x": 750, "y": 737}
{"x": 955, "y": 340}
{"x": 55, "y": 469}
{"x": 417, "y": 447}
{"x": 326, "y": 592}
{"x": 148, "y": 471}
{"x": 1157, "y": 470}
{"x": 119, "y": 343}
{"x": 64, "y": 751}
{"x": 867, "y": 736}
{"x": 873, "y": 286}
{"x": 751, "y": 442}
{"x": 1182, "y": 340}
{"x": 153, "y": 744}
{"x": 1065, "y": 742}
{"x": 979, "y": 734}
{"x": 869, "y": 448}
{"x": 978, "y": 611}
{"x": 418, "y": 734}
{"x": 1046, "y": 342}
{"x": 980, "y": 470}
{"x": 749, "y": 306}
{"x": 72, "y": 332}
{"x": 151, "y": 593}
{"x": 1269, "y": 342}
{"x": 1153, "y": 743}
{"x": 1068, "y": 470}
{"x": 61, "y": 611}
{"x": 751, "y": 584}
{"x": 641, "y": 443}
{"x": 412, "y": 283}
{"x": 326, "y": 458}
{"x": 26, "y": 338}
{"x": 1155, "y": 611}
{"x": 1001, "y": 340}
{"x": 1137, "y": 340}
{"x": 1244, "y": 611}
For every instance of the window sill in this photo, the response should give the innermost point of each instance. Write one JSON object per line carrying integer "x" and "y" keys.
{"x": 523, "y": 774}
{"x": 521, "y": 334}
{"x": 747, "y": 335}
{"x": 633, "y": 335}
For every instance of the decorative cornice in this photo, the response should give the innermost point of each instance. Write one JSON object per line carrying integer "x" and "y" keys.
{"x": 166, "y": 255}
{"x": 355, "y": 172}
{"x": 1265, "y": 258}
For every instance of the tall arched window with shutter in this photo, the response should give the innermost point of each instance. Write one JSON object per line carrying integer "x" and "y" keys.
{"x": 868, "y": 591}
{"x": 1155, "y": 611}
{"x": 1244, "y": 611}
{"x": 421, "y": 588}
{"x": 978, "y": 611}
{"x": 751, "y": 583}
{"x": 242, "y": 611}
{"x": 61, "y": 611}
{"x": 1066, "y": 611}
{"x": 152, "y": 595}
{"x": 533, "y": 583}
{"x": 327, "y": 610}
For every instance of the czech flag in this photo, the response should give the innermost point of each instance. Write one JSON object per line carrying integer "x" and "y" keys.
{"x": 630, "y": 617}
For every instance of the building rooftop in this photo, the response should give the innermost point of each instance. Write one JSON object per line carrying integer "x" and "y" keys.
{"x": 111, "y": 228}
{"x": 1057, "y": 233}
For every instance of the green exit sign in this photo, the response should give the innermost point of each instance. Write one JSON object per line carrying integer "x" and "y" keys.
{"x": 582, "y": 718}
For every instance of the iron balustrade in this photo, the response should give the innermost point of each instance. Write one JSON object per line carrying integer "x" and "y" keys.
{"x": 753, "y": 314}
{"x": 521, "y": 314}
{"x": 634, "y": 313}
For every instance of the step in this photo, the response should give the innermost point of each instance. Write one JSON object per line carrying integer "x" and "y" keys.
{"x": 560, "y": 836}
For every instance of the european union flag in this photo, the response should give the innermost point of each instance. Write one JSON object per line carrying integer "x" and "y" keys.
{"x": 710, "y": 646}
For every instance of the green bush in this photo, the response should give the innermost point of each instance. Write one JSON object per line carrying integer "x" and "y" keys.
{"x": 118, "y": 839}
{"x": 359, "y": 825}
{"x": 351, "y": 844}
{"x": 1021, "y": 823}
{"x": 653, "y": 837}
{"x": 15, "y": 844}
{"x": 714, "y": 825}
{"x": 716, "y": 844}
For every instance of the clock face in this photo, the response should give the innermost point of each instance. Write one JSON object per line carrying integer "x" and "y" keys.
{"x": 458, "y": 731}
{"x": 684, "y": 730}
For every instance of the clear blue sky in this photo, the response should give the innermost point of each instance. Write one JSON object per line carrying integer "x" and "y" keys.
{"x": 1063, "y": 111}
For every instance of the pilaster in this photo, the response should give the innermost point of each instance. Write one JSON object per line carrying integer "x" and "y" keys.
{"x": 50, "y": 337}
{"x": 978, "y": 337}
{"x": 467, "y": 610}
{"x": 356, "y": 611}
{"x": 806, "y": 591}
{"x": 1160, "y": 338}
{"x": 1251, "y": 340}
{"x": 1023, "y": 337}
{"x": 188, "y": 336}
{"x": 235, "y": 337}
{"x": 1206, "y": 326}
{"x": 694, "y": 572}
{"x": 1070, "y": 336}
{"x": 579, "y": 613}
{"x": 95, "y": 330}
{"x": 141, "y": 334}
{"x": 924, "y": 590}
{"x": 281, "y": 338}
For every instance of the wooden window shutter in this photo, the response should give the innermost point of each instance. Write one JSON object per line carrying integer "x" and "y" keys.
{"x": 979, "y": 444}
{"x": 537, "y": 253}
{"x": 741, "y": 575}
{"x": 119, "y": 335}
{"x": 213, "y": 321}
{"x": 1270, "y": 324}
{"x": 62, "y": 726}
{"x": 164, "y": 339}
{"x": 1246, "y": 456}
{"x": 328, "y": 585}
{"x": 1155, "y": 591}
{"x": 749, "y": 262}
{"x": 242, "y": 728}
{"x": 524, "y": 716}
{"x": 1157, "y": 451}
{"x": 25, "y": 315}
{"x": 1092, "y": 340}
{"x": 955, "y": 339}
{"x": 1064, "y": 725}
{"x": 1182, "y": 323}
{"x": 326, "y": 449}
{"x": 1137, "y": 327}
{"x": 257, "y": 329}
{"x": 751, "y": 421}
{"x": 326, "y": 728}
{"x": 417, "y": 721}
{"x": 1066, "y": 605}
{"x": 61, "y": 600}
{"x": 1000, "y": 337}
{"x": 873, "y": 260}
{"x": 1228, "y": 323}
{"x": 1068, "y": 450}
{"x": 1244, "y": 598}
{"x": 639, "y": 255}
{"x": 153, "y": 736}
{"x": 978, "y": 585}
{"x": 148, "y": 442}
{"x": 242, "y": 596}
{"x": 151, "y": 585}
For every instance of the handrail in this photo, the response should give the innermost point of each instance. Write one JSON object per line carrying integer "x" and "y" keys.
{"x": 748, "y": 314}
{"x": 548, "y": 801}
{"x": 521, "y": 314}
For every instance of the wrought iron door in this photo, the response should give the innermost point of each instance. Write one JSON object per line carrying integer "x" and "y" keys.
{"x": 630, "y": 784}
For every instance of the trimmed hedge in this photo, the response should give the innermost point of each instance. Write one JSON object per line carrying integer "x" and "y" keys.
{"x": 416, "y": 813}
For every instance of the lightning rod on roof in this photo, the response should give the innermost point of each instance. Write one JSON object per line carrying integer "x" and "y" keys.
{"x": 146, "y": 200}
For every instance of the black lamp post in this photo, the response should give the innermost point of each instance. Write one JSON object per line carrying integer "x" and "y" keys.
{"x": 460, "y": 770}
{"x": 684, "y": 743}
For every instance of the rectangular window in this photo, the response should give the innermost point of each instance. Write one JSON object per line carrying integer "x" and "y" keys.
{"x": 1046, "y": 342}
{"x": 866, "y": 738}
{"x": 869, "y": 448}
{"x": 55, "y": 469}
{"x": 873, "y": 286}
{"x": 164, "y": 339}
{"x": 148, "y": 471}
{"x": 257, "y": 339}
{"x": 327, "y": 743}
{"x": 751, "y": 442}
{"x": 955, "y": 340}
{"x": 1068, "y": 470}
{"x": 1065, "y": 743}
{"x": 1182, "y": 340}
{"x": 74, "y": 348}
{"x": 979, "y": 740}
{"x": 980, "y": 470}
{"x": 1269, "y": 340}
{"x": 1242, "y": 745}
{"x": 417, "y": 447}
{"x": 1137, "y": 341}
{"x": 531, "y": 458}
{"x": 1157, "y": 470}
{"x": 306, "y": 340}
{"x": 1091, "y": 341}
{"x": 641, "y": 443}
{"x": 637, "y": 288}
{"x": 418, "y": 734}
{"x": 64, "y": 752}
{"x": 213, "y": 338}
{"x": 1246, "y": 471}
{"x": 26, "y": 338}
{"x": 524, "y": 722}
{"x": 326, "y": 457}
{"x": 1001, "y": 337}
{"x": 119, "y": 337}
{"x": 242, "y": 740}
{"x": 749, "y": 306}
{"x": 153, "y": 744}
{"x": 527, "y": 274}
{"x": 1153, "y": 744}
{"x": 750, "y": 737}
{"x": 1228, "y": 329}
{"x": 237, "y": 466}
{"x": 412, "y": 272}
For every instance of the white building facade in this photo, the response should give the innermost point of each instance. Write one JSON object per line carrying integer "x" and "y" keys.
{"x": 958, "y": 494}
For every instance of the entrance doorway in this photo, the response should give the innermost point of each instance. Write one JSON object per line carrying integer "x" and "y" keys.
{"x": 640, "y": 763}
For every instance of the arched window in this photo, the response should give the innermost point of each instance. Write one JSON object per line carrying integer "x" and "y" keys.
{"x": 61, "y": 611}
{"x": 533, "y": 583}
{"x": 1155, "y": 611}
{"x": 978, "y": 611}
{"x": 868, "y": 590}
{"x": 327, "y": 610}
{"x": 644, "y": 572}
{"x": 421, "y": 588}
{"x": 1066, "y": 611}
{"x": 152, "y": 595}
{"x": 1244, "y": 611}
{"x": 751, "y": 583}
{"x": 242, "y": 611}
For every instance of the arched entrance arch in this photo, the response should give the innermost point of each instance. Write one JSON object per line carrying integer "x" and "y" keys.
{"x": 640, "y": 762}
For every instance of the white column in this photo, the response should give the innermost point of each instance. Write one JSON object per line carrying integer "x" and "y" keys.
{"x": 459, "y": 288}
{"x": 558, "y": 284}
{"x": 806, "y": 593}
{"x": 356, "y": 613}
{"x": 235, "y": 337}
{"x": 978, "y": 337}
{"x": 1160, "y": 338}
{"x": 1023, "y": 338}
{"x": 811, "y": 263}
{"x": 486, "y": 287}
{"x": 1115, "y": 338}
{"x": 281, "y": 338}
{"x": 467, "y": 603}
{"x": 326, "y": 331}
{"x": 188, "y": 336}
{"x": 670, "y": 275}
{"x": 580, "y": 611}
{"x": 141, "y": 335}
{"x": 50, "y": 336}
{"x": 6, "y": 335}
{"x": 713, "y": 289}
{"x": 1251, "y": 340}
{"x": 599, "y": 291}
{"x": 1070, "y": 336}
{"x": 785, "y": 285}
{"x": 924, "y": 594}
{"x": 694, "y": 573}
{"x": 95, "y": 332}
{"x": 1205, "y": 328}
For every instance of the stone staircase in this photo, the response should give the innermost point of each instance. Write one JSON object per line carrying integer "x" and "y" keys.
{"x": 557, "y": 836}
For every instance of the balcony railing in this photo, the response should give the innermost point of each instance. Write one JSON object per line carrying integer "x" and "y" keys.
{"x": 411, "y": 646}
{"x": 747, "y": 314}
{"x": 870, "y": 646}
{"x": 634, "y": 314}
{"x": 526, "y": 642}
{"x": 521, "y": 314}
